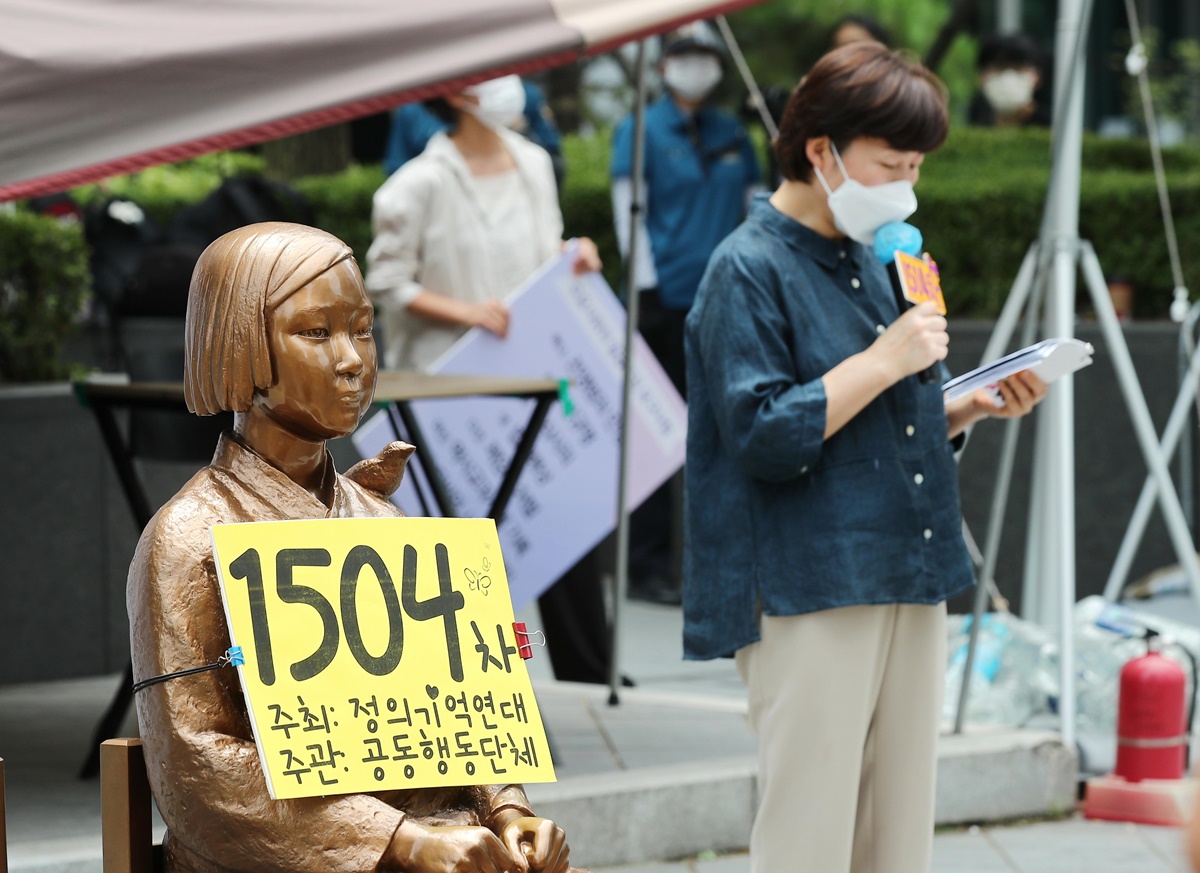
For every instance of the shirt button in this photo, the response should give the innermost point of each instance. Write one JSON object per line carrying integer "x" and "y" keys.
{"x": 910, "y": 430}
{"x": 880, "y": 329}
{"x": 918, "y": 478}
{"x": 804, "y": 469}
{"x": 928, "y": 533}
{"x": 842, "y": 254}
{"x": 854, "y": 283}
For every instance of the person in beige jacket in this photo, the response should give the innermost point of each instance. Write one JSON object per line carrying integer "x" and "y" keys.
{"x": 457, "y": 229}
{"x": 463, "y": 224}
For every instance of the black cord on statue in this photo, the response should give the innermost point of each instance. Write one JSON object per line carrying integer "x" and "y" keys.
{"x": 232, "y": 657}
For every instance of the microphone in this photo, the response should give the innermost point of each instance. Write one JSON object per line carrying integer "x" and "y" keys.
{"x": 914, "y": 278}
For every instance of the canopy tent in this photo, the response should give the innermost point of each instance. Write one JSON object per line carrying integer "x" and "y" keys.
{"x": 95, "y": 88}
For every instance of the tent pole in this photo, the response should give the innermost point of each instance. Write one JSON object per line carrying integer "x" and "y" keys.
{"x": 1008, "y": 16}
{"x": 1049, "y": 583}
{"x": 621, "y": 576}
{"x": 739, "y": 60}
{"x": 1061, "y": 237}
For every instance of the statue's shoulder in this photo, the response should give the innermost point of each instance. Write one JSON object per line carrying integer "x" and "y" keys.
{"x": 181, "y": 526}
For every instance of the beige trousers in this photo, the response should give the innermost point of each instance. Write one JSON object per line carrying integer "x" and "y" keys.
{"x": 846, "y": 704}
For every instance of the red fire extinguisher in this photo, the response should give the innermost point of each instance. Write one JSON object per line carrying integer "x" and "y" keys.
{"x": 1151, "y": 722}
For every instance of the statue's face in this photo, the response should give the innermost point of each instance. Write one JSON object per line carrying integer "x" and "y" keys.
{"x": 323, "y": 356}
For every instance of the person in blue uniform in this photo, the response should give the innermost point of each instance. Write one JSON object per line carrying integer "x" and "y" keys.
{"x": 824, "y": 532}
{"x": 700, "y": 171}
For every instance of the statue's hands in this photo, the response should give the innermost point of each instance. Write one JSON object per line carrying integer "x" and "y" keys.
{"x": 417, "y": 848}
{"x": 537, "y": 844}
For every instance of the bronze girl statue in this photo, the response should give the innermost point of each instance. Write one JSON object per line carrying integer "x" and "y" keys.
{"x": 279, "y": 332}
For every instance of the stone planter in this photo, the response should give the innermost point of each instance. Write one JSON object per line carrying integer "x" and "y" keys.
{"x": 65, "y": 536}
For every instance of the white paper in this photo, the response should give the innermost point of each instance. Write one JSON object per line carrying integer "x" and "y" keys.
{"x": 1049, "y": 359}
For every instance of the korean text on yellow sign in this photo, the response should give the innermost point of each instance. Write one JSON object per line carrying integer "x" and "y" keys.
{"x": 380, "y": 653}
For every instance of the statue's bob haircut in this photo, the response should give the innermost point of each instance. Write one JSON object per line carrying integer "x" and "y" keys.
{"x": 862, "y": 89}
{"x": 238, "y": 279}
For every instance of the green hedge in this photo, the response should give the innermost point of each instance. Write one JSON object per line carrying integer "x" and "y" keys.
{"x": 44, "y": 286}
{"x": 979, "y": 230}
{"x": 587, "y": 199}
{"x": 982, "y": 199}
{"x": 342, "y": 202}
{"x": 981, "y": 202}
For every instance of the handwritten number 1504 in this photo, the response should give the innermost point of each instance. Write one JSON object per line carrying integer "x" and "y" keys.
{"x": 444, "y": 604}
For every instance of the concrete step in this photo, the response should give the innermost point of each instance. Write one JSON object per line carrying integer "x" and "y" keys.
{"x": 673, "y": 811}
{"x": 678, "y": 810}
{"x": 652, "y": 813}
{"x": 997, "y": 775}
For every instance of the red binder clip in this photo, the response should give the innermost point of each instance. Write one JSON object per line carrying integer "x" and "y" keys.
{"x": 524, "y": 647}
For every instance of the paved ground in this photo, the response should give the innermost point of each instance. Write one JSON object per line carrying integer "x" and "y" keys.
{"x": 682, "y": 714}
{"x": 1051, "y": 847}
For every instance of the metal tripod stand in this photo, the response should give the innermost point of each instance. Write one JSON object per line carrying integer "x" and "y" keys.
{"x": 1046, "y": 542}
{"x": 1172, "y": 434}
{"x": 1046, "y": 281}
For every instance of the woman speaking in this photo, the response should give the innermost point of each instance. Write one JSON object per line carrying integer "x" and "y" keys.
{"x": 823, "y": 522}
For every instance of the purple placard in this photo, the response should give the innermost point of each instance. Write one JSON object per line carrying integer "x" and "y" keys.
{"x": 562, "y": 326}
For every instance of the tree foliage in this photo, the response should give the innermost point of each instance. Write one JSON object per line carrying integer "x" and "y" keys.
{"x": 782, "y": 39}
{"x": 44, "y": 285}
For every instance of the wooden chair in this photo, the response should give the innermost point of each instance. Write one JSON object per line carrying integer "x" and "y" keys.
{"x": 3, "y": 832}
{"x": 125, "y": 809}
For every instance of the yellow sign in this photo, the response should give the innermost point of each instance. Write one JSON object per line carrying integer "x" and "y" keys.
{"x": 379, "y": 653}
{"x": 919, "y": 280}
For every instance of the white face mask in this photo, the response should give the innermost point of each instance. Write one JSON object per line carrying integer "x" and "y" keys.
{"x": 860, "y": 210}
{"x": 1009, "y": 90}
{"x": 692, "y": 76}
{"x": 501, "y": 101}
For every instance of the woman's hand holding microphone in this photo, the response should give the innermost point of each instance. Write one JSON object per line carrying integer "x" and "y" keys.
{"x": 914, "y": 342}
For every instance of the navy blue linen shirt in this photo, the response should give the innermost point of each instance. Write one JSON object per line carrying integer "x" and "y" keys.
{"x": 779, "y": 520}
{"x": 695, "y": 190}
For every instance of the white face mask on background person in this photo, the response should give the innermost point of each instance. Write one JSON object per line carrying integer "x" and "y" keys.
{"x": 859, "y": 210}
{"x": 692, "y": 76}
{"x": 1009, "y": 90}
{"x": 501, "y": 101}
